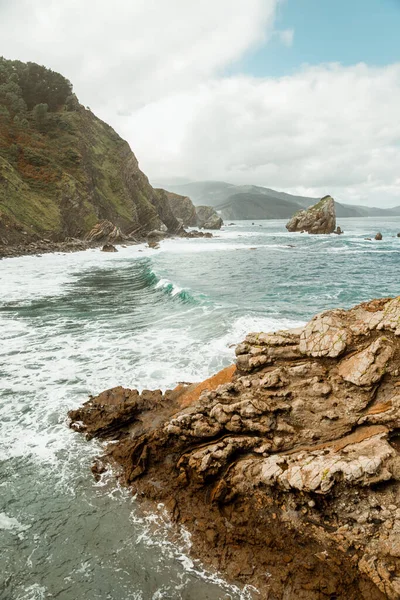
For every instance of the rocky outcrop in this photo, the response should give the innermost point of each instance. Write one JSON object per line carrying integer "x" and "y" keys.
{"x": 284, "y": 467}
{"x": 320, "y": 218}
{"x": 208, "y": 218}
{"x": 105, "y": 231}
{"x": 109, "y": 248}
{"x": 62, "y": 176}
{"x": 183, "y": 209}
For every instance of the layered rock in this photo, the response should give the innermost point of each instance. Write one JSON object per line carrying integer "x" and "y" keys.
{"x": 183, "y": 209}
{"x": 65, "y": 173}
{"x": 208, "y": 218}
{"x": 285, "y": 467}
{"x": 105, "y": 231}
{"x": 320, "y": 218}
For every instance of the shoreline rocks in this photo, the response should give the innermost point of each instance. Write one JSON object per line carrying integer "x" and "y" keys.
{"x": 284, "y": 467}
{"x": 208, "y": 218}
{"x": 46, "y": 246}
{"x": 318, "y": 219}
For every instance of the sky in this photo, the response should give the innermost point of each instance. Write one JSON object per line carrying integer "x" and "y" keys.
{"x": 301, "y": 96}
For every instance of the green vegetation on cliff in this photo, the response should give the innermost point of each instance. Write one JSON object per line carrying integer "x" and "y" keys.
{"x": 61, "y": 168}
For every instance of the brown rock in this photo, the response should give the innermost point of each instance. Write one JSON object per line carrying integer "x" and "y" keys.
{"x": 320, "y": 218}
{"x": 378, "y": 236}
{"x": 290, "y": 463}
{"x": 109, "y": 248}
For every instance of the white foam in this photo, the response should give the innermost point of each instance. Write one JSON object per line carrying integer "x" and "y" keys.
{"x": 34, "y": 592}
{"x": 168, "y": 285}
{"x": 156, "y": 530}
{"x": 11, "y": 524}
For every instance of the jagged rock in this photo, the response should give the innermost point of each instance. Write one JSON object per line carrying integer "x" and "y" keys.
{"x": 109, "y": 248}
{"x": 288, "y": 461}
{"x": 183, "y": 209}
{"x": 208, "y": 218}
{"x": 379, "y": 236}
{"x": 197, "y": 234}
{"x": 157, "y": 235}
{"x": 320, "y": 218}
{"x": 105, "y": 231}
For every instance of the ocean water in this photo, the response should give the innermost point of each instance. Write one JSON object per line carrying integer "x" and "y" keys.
{"x": 76, "y": 324}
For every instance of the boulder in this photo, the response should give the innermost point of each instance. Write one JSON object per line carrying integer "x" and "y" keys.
{"x": 105, "y": 231}
{"x": 320, "y": 218}
{"x": 109, "y": 248}
{"x": 287, "y": 461}
{"x": 208, "y": 218}
{"x": 157, "y": 235}
{"x": 379, "y": 236}
{"x": 338, "y": 231}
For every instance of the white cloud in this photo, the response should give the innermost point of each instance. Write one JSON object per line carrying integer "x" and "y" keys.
{"x": 126, "y": 53}
{"x": 286, "y": 36}
{"x": 326, "y": 129}
{"x": 161, "y": 63}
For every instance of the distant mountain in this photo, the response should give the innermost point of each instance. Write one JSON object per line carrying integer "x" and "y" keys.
{"x": 257, "y": 202}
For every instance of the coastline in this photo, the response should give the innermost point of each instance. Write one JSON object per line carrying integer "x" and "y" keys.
{"x": 272, "y": 464}
{"x": 77, "y": 245}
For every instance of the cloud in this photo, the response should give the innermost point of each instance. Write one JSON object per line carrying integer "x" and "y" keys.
{"x": 126, "y": 54}
{"x": 155, "y": 71}
{"x": 286, "y": 36}
{"x": 326, "y": 129}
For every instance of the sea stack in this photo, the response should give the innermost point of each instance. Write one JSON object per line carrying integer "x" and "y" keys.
{"x": 208, "y": 218}
{"x": 320, "y": 218}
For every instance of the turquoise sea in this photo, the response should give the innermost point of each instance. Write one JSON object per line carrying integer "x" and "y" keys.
{"x": 75, "y": 324}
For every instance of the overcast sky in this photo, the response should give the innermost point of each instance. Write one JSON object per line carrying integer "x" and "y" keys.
{"x": 298, "y": 95}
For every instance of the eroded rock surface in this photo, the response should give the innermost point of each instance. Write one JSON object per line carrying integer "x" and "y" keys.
{"x": 320, "y": 218}
{"x": 285, "y": 467}
{"x": 208, "y": 218}
{"x": 105, "y": 231}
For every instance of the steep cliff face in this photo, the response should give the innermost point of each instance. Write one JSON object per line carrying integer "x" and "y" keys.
{"x": 285, "y": 467}
{"x": 208, "y": 218}
{"x": 320, "y": 218}
{"x": 183, "y": 208}
{"x": 61, "y": 168}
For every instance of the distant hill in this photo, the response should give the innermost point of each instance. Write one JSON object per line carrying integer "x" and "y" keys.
{"x": 257, "y": 202}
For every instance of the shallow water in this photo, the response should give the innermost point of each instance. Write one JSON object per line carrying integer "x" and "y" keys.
{"x": 76, "y": 324}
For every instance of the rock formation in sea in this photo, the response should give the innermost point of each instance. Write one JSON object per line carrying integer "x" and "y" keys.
{"x": 320, "y": 218}
{"x": 62, "y": 169}
{"x": 205, "y": 217}
{"x": 284, "y": 467}
{"x": 183, "y": 208}
{"x": 208, "y": 218}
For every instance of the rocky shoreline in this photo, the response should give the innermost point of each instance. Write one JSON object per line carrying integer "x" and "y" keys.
{"x": 285, "y": 467}
{"x": 46, "y": 246}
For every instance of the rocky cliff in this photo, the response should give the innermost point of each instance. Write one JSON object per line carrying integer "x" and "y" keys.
{"x": 205, "y": 217}
{"x": 208, "y": 218}
{"x": 183, "y": 209}
{"x": 286, "y": 466}
{"x": 320, "y": 218}
{"x": 62, "y": 169}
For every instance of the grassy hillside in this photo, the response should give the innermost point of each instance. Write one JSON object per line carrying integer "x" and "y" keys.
{"x": 61, "y": 168}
